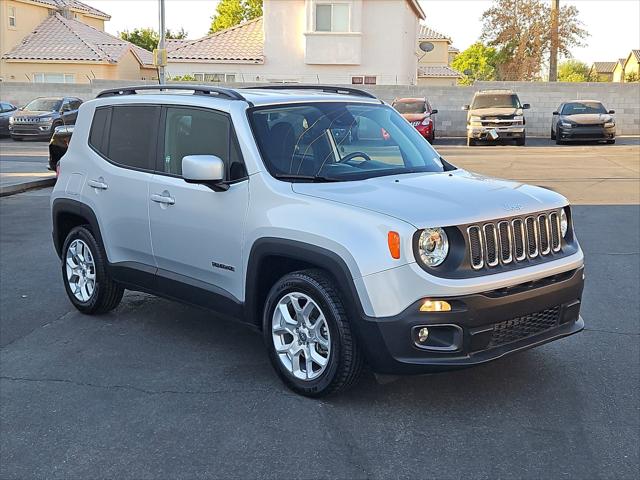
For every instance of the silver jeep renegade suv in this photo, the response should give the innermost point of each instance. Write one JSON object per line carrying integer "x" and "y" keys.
{"x": 319, "y": 216}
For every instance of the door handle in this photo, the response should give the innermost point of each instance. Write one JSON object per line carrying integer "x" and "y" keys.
{"x": 165, "y": 198}
{"x": 98, "y": 184}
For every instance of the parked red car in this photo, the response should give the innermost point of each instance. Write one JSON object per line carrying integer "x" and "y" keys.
{"x": 419, "y": 113}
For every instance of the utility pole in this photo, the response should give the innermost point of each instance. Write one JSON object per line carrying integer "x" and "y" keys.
{"x": 553, "y": 60}
{"x": 161, "y": 55}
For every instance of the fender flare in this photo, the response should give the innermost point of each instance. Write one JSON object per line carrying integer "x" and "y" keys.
{"x": 296, "y": 250}
{"x": 61, "y": 206}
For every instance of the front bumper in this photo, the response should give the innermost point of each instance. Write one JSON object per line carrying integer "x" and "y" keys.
{"x": 490, "y": 325}
{"x": 32, "y": 130}
{"x": 587, "y": 133}
{"x": 482, "y": 132}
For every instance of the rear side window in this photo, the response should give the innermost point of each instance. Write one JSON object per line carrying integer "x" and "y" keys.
{"x": 126, "y": 135}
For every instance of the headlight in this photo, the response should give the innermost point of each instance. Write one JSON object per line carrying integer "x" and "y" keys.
{"x": 433, "y": 246}
{"x": 566, "y": 124}
{"x": 45, "y": 120}
{"x": 11, "y": 120}
{"x": 518, "y": 118}
{"x": 609, "y": 124}
{"x": 474, "y": 120}
{"x": 564, "y": 223}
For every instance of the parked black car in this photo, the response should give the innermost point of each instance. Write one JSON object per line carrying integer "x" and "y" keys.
{"x": 6, "y": 110}
{"x": 40, "y": 117}
{"x": 58, "y": 145}
{"x": 583, "y": 120}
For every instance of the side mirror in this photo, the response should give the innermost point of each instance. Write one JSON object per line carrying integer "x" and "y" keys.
{"x": 526, "y": 106}
{"x": 466, "y": 107}
{"x": 434, "y": 111}
{"x": 611, "y": 112}
{"x": 556, "y": 113}
{"x": 204, "y": 169}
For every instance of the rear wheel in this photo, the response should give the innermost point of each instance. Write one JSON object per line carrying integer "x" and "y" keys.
{"x": 86, "y": 278}
{"x": 308, "y": 336}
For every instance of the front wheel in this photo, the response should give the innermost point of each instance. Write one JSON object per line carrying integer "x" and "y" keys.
{"x": 559, "y": 137}
{"x": 553, "y": 134}
{"x": 471, "y": 142}
{"x": 308, "y": 335}
{"x": 521, "y": 141}
{"x": 612, "y": 141}
{"x": 86, "y": 278}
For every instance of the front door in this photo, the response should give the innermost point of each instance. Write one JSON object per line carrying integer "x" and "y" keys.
{"x": 197, "y": 233}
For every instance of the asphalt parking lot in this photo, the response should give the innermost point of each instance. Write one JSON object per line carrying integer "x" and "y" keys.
{"x": 160, "y": 390}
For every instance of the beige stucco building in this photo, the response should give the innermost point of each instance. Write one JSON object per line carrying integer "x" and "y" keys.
{"x": 63, "y": 41}
{"x": 310, "y": 41}
{"x": 435, "y": 55}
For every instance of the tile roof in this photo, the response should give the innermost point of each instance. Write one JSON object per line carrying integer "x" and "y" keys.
{"x": 428, "y": 33}
{"x": 621, "y": 61}
{"x": 636, "y": 53}
{"x": 243, "y": 43}
{"x": 438, "y": 71}
{"x": 604, "y": 67}
{"x": 174, "y": 43}
{"x": 74, "y": 4}
{"x": 60, "y": 38}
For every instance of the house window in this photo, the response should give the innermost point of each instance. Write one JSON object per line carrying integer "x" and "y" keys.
{"x": 357, "y": 80}
{"x": 54, "y": 78}
{"x": 370, "y": 80}
{"x": 332, "y": 17}
{"x": 12, "y": 17}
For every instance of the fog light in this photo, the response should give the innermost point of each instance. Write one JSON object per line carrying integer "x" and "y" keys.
{"x": 423, "y": 334}
{"x": 435, "y": 306}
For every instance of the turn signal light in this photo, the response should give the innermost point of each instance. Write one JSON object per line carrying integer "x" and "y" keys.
{"x": 393, "y": 240}
{"x": 435, "y": 306}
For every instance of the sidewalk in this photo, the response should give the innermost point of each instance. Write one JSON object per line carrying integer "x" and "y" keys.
{"x": 23, "y": 166}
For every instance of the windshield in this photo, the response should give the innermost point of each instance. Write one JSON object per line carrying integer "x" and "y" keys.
{"x": 339, "y": 141}
{"x": 576, "y": 108}
{"x": 44, "y": 105}
{"x": 498, "y": 100}
{"x": 410, "y": 107}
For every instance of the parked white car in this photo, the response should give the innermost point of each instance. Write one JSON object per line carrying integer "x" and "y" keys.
{"x": 319, "y": 216}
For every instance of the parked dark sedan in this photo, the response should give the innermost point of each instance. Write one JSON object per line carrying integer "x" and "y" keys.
{"x": 6, "y": 110}
{"x": 40, "y": 117}
{"x": 583, "y": 120}
{"x": 58, "y": 145}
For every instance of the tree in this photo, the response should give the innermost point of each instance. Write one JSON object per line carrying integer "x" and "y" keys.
{"x": 574, "y": 71}
{"x": 148, "y": 38}
{"x": 233, "y": 12}
{"x": 521, "y": 32}
{"x": 632, "y": 77}
{"x": 478, "y": 62}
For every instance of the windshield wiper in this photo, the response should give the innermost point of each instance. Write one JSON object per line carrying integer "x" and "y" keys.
{"x": 304, "y": 178}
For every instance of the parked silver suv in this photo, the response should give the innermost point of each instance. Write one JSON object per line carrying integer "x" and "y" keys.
{"x": 319, "y": 216}
{"x": 496, "y": 115}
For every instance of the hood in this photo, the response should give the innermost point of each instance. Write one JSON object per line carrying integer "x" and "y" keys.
{"x": 32, "y": 113}
{"x": 492, "y": 111}
{"x": 437, "y": 199}
{"x": 414, "y": 117}
{"x": 588, "y": 118}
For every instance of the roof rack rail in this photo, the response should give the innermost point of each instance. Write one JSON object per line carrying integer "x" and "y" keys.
{"x": 220, "y": 92}
{"x": 323, "y": 88}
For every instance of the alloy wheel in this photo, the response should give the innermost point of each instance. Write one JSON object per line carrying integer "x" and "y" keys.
{"x": 301, "y": 336}
{"x": 81, "y": 270}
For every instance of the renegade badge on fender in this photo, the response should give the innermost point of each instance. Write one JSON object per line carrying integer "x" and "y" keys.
{"x": 286, "y": 207}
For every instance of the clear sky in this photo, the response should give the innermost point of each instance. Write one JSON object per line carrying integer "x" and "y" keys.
{"x": 613, "y": 24}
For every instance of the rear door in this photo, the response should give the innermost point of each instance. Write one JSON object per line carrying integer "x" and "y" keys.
{"x": 124, "y": 138}
{"x": 196, "y": 232}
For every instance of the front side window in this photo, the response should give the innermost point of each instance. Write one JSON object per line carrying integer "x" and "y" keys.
{"x": 576, "y": 108}
{"x": 339, "y": 142}
{"x": 498, "y": 100}
{"x": 332, "y": 17}
{"x": 132, "y": 136}
{"x": 191, "y": 131}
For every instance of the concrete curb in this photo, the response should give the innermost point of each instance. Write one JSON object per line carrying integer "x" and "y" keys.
{"x": 23, "y": 187}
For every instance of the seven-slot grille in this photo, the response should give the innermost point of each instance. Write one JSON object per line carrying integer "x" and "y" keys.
{"x": 514, "y": 240}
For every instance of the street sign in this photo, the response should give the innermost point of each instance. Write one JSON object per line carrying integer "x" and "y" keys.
{"x": 160, "y": 57}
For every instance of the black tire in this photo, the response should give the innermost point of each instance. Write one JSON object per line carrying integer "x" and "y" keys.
{"x": 611, "y": 142}
{"x": 553, "y": 134}
{"x": 107, "y": 294}
{"x": 471, "y": 142}
{"x": 521, "y": 141}
{"x": 559, "y": 137}
{"x": 345, "y": 359}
